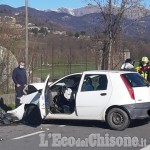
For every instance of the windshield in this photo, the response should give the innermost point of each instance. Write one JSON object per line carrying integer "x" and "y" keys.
{"x": 136, "y": 80}
{"x": 70, "y": 82}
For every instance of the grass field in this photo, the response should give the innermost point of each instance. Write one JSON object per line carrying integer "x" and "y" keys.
{"x": 58, "y": 71}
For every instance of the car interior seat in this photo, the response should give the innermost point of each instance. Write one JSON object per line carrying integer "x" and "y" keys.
{"x": 88, "y": 86}
{"x": 102, "y": 83}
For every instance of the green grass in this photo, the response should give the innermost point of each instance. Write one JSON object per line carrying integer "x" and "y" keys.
{"x": 58, "y": 71}
{"x": 11, "y": 106}
{"x": 136, "y": 64}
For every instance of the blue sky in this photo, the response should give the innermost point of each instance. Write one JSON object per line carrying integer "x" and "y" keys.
{"x": 50, "y": 4}
{"x": 46, "y": 4}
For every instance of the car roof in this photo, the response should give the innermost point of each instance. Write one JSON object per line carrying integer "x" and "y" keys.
{"x": 102, "y": 71}
{"x": 108, "y": 71}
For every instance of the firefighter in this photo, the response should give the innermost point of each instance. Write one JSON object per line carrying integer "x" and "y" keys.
{"x": 144, "y": 68}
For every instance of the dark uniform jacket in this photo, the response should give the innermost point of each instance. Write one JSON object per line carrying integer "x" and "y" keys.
{"x": 19, "y": 76}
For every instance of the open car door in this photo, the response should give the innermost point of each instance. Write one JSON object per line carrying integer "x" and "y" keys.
{"x": 45, "y": 99}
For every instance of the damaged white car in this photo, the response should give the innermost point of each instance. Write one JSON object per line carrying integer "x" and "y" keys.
{"x": 32, "y": 93}
{"x": 111, "y": 96}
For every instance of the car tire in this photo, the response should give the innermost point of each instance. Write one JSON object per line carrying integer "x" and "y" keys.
{"x": 117, "y": 119}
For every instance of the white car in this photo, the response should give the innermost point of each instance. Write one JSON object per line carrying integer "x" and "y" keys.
{"x": 116, "y": 97}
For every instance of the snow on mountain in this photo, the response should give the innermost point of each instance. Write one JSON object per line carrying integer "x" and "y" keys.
{"x": 89, "y": 9}
{"x": 66, "y": 10}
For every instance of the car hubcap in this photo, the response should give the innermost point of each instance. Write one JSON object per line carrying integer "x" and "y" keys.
{"x": 117, "y": 118}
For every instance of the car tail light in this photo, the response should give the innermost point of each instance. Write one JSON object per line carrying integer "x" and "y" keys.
{"x": 129, "y": 88}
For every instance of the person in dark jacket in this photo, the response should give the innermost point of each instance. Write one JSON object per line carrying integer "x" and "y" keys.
{"x": 20, "y": 80}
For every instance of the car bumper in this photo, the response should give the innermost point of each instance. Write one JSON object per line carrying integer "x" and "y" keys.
{"x": 138, "y": 110}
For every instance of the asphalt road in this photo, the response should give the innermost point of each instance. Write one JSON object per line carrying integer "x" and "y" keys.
{"x": 72, "y": 135}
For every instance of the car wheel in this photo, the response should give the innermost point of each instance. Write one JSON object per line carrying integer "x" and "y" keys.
{"x": 118, "y": 119}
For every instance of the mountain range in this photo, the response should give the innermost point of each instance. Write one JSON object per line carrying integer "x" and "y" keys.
{"x": 81, "y": 19}
{"x": 89, "y": 9}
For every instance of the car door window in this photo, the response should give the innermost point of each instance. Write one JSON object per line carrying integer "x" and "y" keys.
{"x": 87, "y": 84}
{"x": 102, "y": 83}
{"x": 94, "y": 82}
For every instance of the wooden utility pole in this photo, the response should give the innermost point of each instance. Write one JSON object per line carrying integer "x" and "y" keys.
{"x": 26, "y": 24}
{"x": 110, "y": 35}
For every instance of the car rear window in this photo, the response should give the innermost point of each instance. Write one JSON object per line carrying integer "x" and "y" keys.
{"x": 136, "y": 80}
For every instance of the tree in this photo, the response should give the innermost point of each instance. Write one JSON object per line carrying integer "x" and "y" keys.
{"x": 35, "y": 31}
{"x": 76, "y": 35}
{"x": 43, "y": 31}
{"x": 112, "y": 16}
{"x": 83, "y": 33}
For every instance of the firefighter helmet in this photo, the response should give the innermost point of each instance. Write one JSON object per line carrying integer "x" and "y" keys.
{"x": 145, "y": 60}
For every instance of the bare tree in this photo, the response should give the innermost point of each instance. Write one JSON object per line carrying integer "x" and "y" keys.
{"x": 112, "y": 16}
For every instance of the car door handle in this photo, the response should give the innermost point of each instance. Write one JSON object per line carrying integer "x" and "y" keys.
{"x": 103, "y": 94}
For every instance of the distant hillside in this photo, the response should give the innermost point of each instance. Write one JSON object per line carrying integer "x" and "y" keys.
{"x": 89, "y": 22}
